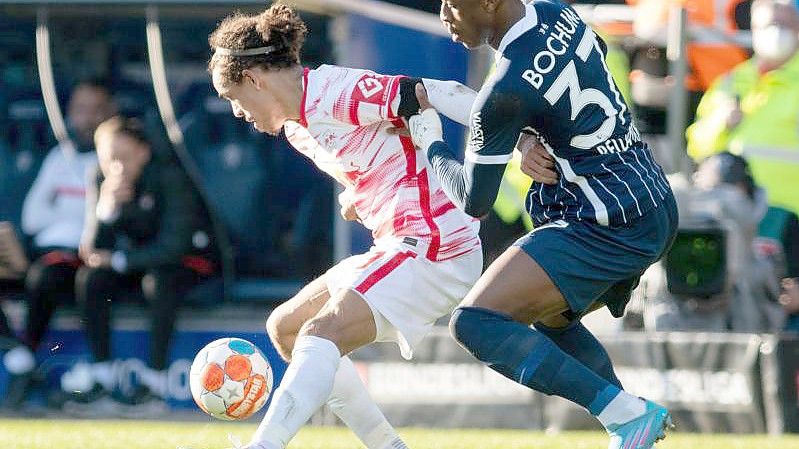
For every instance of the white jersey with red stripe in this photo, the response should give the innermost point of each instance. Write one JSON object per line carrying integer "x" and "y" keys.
{"x": 345, "y": 115}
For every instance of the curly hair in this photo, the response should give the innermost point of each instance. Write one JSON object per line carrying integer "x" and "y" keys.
{"x": 279, "y": 26}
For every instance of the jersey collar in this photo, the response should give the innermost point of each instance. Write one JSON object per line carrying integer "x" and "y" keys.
{"x": 527, "y": 22}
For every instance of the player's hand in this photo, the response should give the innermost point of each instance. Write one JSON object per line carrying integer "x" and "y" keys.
{"x": 347, "y": 202}
{"x": 537, "y": 163}
{"x": 99, "y": 258}
{"x": 400, "y": 131}
{"x": 426, "y": 126}
{"x": 349, "y": 213}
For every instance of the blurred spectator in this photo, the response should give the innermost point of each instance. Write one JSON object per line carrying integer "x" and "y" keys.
{"x": 53, "y": 215}
{"x": 717, "y": 37}
{"x": 650, "y": 88}
{"x": 780, "y": 227}
{"x": 713, "y": 279}
{"x": 717, "y": 41}
{"x": 754, "y": 111}
{"x": 144, "y": 226}
{"x": 778, "y": 238}
{"x": 790, "y": 300}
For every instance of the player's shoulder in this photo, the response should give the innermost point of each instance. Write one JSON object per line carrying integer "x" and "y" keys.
{"x": 548, "y": 10}
{"x": 503, "y": 92}
{"x": 542, "y": 18}
{"x": 329, "y": 71}
{"x": 328, "y": 75}
{"x": 332, "y": 78}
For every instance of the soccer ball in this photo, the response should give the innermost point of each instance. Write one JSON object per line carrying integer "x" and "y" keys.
{"x": 230, "y": 379}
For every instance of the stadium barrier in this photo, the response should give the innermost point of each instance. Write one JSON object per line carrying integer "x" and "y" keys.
{"x": 737, "y": 383}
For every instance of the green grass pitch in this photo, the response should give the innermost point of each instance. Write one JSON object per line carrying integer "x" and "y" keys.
{"x": 68, "y": 434}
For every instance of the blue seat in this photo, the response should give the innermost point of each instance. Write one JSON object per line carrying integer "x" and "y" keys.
{"x": 134, "y": 100}
{"x": 208, "y": 121}
{"x": 236, "y": 179}
{"x": 275, "y": 205}
{"x": 305, "y": 201}
{"x": 260, "y": 289}
{"x": 6, "y": 172}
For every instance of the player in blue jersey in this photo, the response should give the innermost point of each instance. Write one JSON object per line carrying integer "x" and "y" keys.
{"x": 610, "y": 215}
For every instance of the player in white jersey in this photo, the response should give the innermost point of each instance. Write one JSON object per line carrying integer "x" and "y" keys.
{"x": 426, "y": 253}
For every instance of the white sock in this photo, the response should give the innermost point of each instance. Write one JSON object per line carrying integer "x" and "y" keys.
{"x": 154, "y": 380}
{"x": 624, "y": 407}
{"x": 78, "y": 379}
{"x": 304, "y": 388}
{"x": 19, "y": 360}
{"x": 103, "y": 374}
{"x": 350, "y": 401}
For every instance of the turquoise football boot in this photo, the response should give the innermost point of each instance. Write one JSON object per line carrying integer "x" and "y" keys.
{"x": 641, "y": 432}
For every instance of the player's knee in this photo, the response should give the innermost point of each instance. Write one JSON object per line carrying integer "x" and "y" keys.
{"x": 458, "y": 323}
{"x": 469, "y": 326}
{"x": 273, "y": 326}
{"x": 280, "y": 331}
{"x": 322, "y": 326}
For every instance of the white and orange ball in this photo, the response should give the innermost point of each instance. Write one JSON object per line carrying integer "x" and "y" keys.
{"x": 230, "y": 379}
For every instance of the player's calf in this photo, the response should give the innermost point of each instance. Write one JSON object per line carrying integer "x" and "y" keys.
{"x": 577, "y": 341}
{"x": 528, "y": 357}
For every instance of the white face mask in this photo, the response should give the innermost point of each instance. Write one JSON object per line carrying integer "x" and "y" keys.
{"x": 774, "y": 43}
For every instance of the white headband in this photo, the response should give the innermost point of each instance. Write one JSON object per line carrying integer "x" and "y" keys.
{"x": 245, "y": 52}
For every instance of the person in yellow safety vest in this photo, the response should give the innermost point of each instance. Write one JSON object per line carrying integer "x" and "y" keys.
{"x": 509, "y": 219}
{"x": 618, "y": 64}
{"x": 754, "y": 110}
{"x": 510, "y": 203}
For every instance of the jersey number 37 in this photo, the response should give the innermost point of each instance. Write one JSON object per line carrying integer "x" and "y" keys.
{"x": 579, "y": 99}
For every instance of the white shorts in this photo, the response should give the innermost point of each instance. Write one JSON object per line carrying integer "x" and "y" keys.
{"x": 406, "y": 291}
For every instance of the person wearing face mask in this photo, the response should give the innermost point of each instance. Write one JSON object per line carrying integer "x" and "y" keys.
{"x": 754, "y": 109}
{"x": 53, "y": 215}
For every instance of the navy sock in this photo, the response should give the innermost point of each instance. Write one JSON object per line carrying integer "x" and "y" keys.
{"x": 528, "y": 357}
{"x": 577, "y": 341}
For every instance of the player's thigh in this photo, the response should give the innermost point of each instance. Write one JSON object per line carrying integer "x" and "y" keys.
{"x": 287, "y": 319}
{"x": 516, "y": 284}
{"x": 346, "y": 320}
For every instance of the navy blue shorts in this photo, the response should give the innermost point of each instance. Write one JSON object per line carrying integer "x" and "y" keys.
{"x": 590, "y": 263}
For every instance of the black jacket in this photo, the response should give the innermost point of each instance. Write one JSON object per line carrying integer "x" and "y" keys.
{"x": 163, "y": 224}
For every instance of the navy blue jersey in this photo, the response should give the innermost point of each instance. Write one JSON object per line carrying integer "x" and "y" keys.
{"x": 551, "y": 80}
